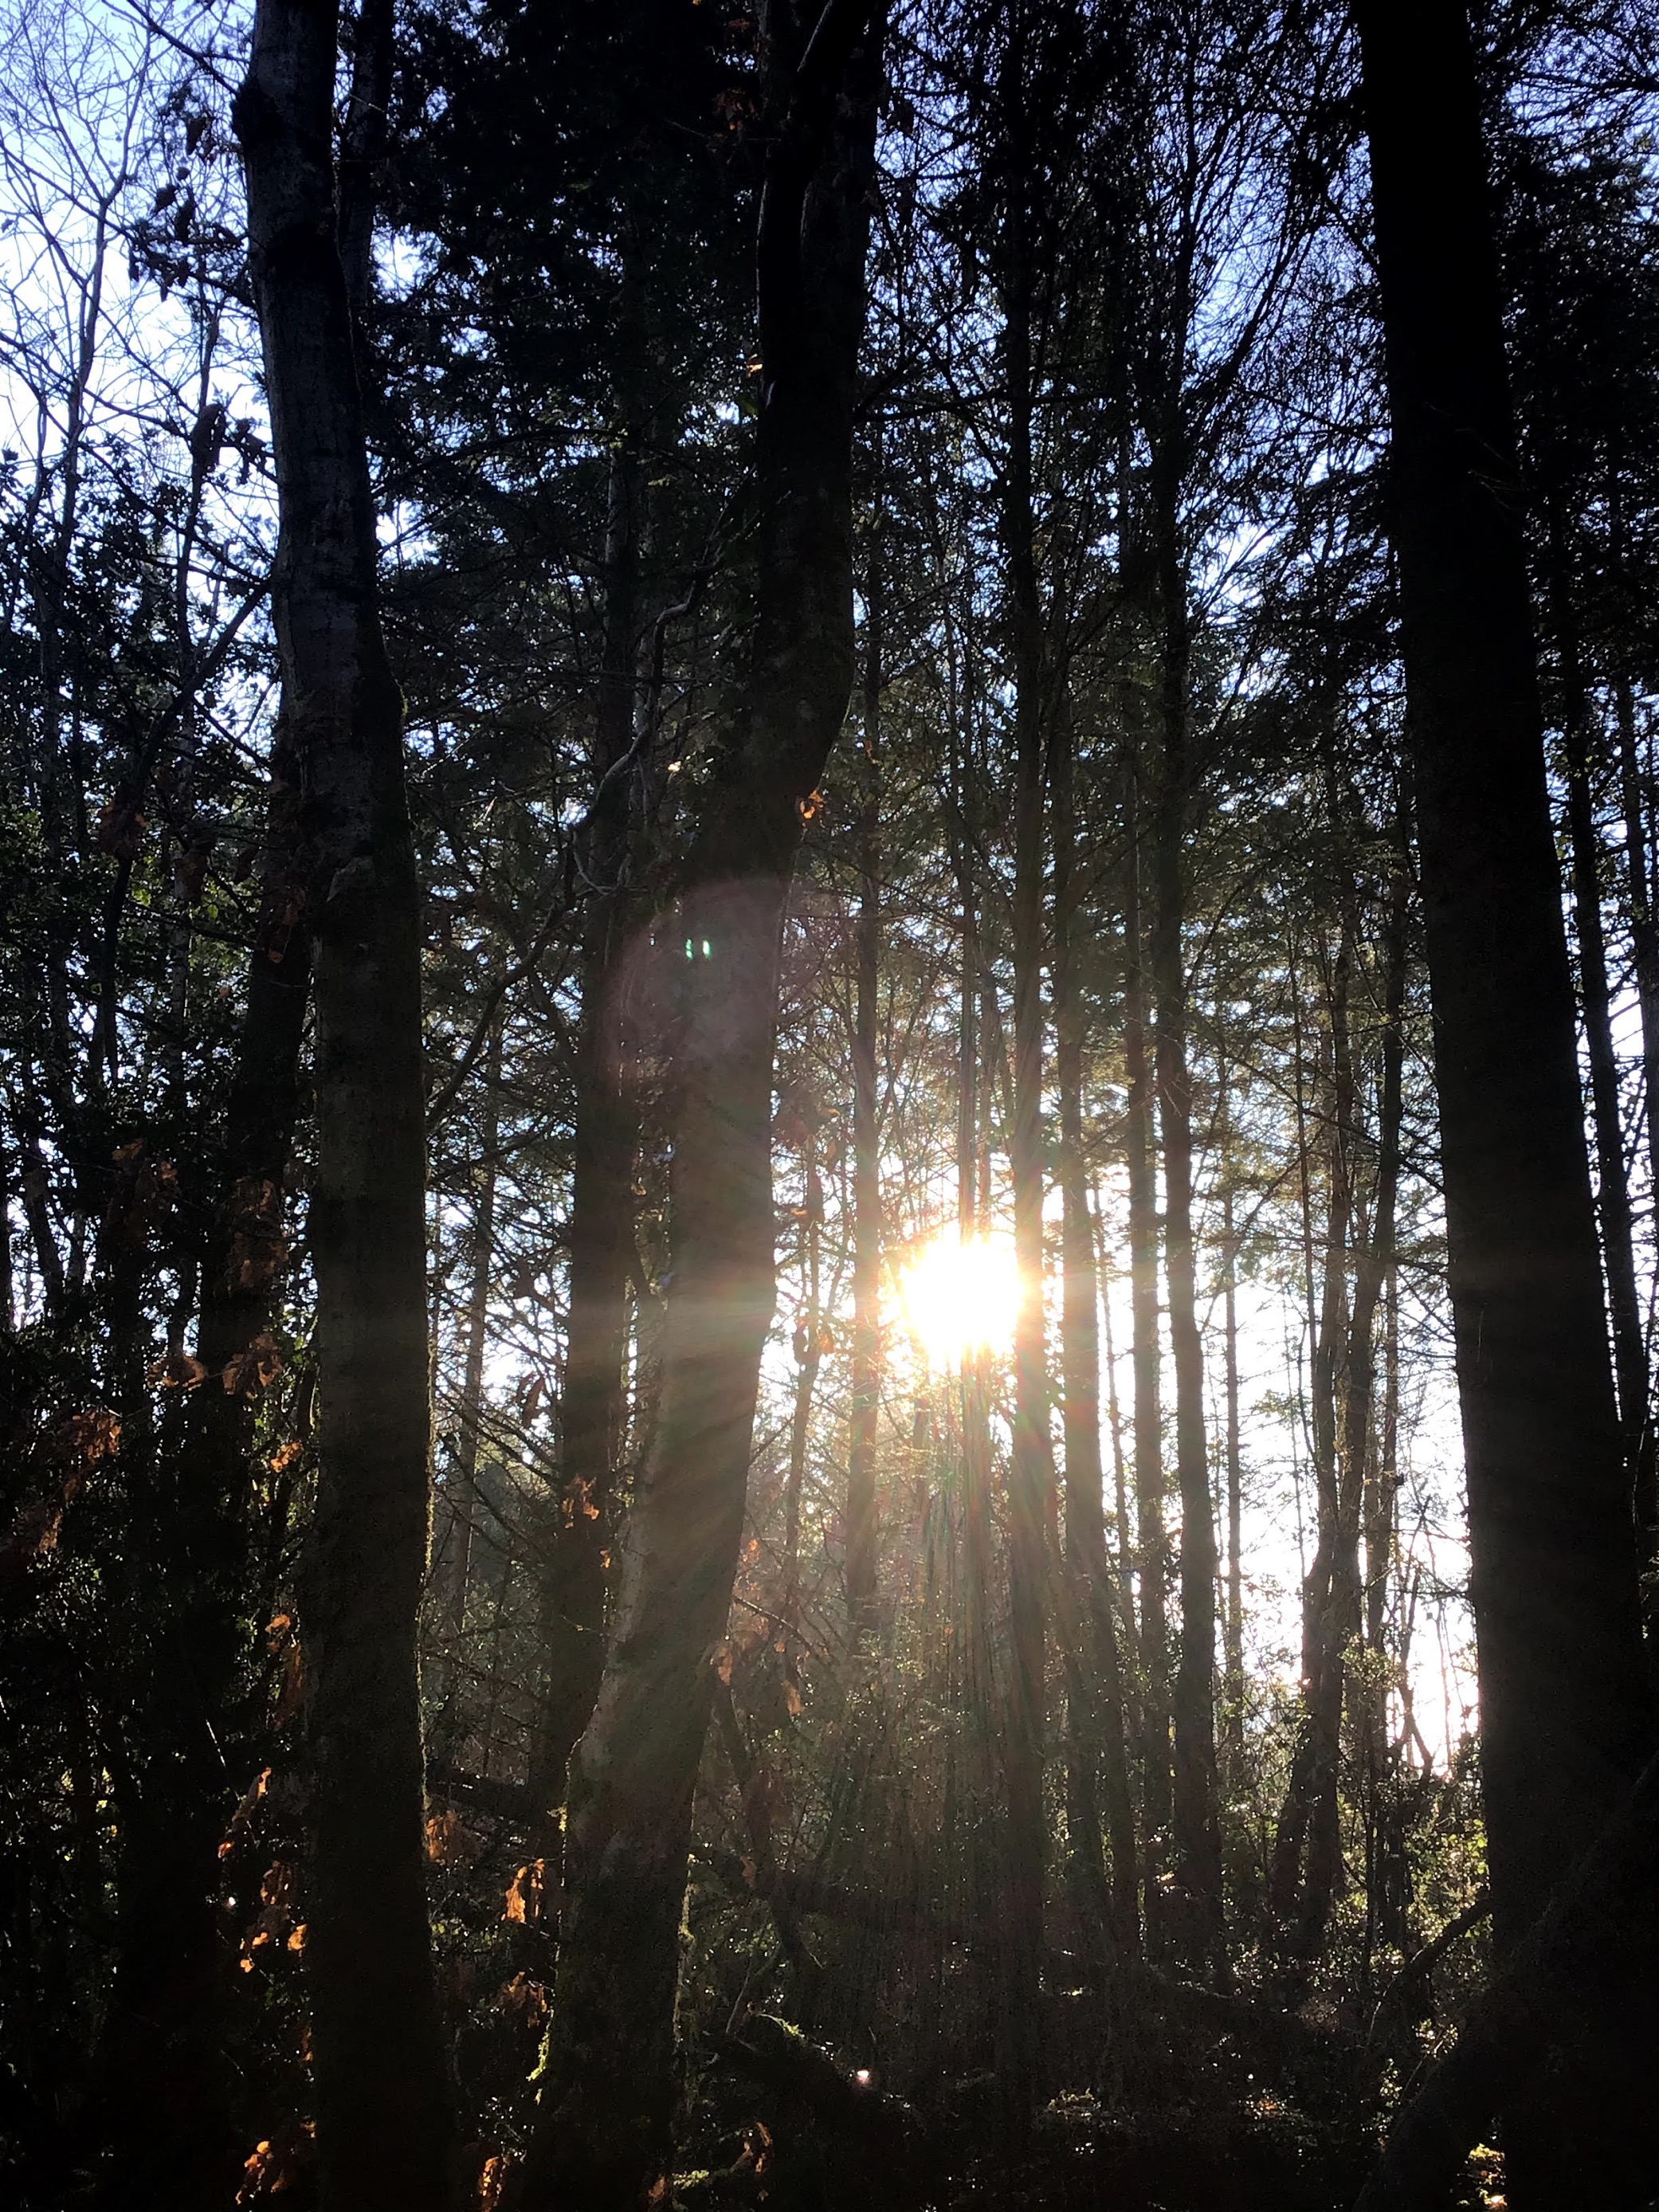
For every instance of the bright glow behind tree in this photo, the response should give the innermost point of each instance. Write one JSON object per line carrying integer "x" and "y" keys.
{"x": 961, "y": 1295}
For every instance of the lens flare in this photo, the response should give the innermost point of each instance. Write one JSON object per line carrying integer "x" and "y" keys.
{"x": 960, "y": 1295}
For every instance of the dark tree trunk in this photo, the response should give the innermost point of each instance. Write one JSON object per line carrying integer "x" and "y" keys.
{"x": 1151, "y": 1546}
{"x": 460, "y": 1490}
{"x": 1030, "y": 1474}
{"x": 167, "y": 2088}
{"x": 1630, "y": 1357}
{"x": 809, "y": 1354}
{"x": 1644, "y": 938}
{"x": 1564, "y": 1715}
{"x": 970, "y": 1208}
{"x": 1095, "y": 1688}
{"x": 602, "y": 2135}
{"x": 1232, "y": 1635}
{"x": 384, "y": 2131}
{"x": 1374, "y": 1285}
{"x": 1331, "y": 1601}
{"x": 1197, "y": 1841}
{"x": 1645, "y": 929}
{"x": 1597, "y": 1937}
{"x": 593, "y": 1410}
{"x": 866, "y": 1135}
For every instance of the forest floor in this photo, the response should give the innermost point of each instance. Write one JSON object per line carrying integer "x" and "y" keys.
{"x": 1193, "y": 2124}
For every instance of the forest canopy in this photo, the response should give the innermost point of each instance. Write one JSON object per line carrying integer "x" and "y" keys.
{"x": 829, "y": 1105}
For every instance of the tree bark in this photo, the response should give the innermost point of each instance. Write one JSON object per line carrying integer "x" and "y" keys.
{"x": 1030, "y": 1473}
{"x": 461, "y": 1488}
{"x": 1151, "y": 1544}
{"x": 167, "y": 2092}
{"x": 1595, "y": 1942}
{"x": 866, "y": 1138}
{"x": 602, "y": 2134}
{"x": 971, "y": 1195}
{"x": 384, "y": 2129}
{"x": 1197, "y": 1841}
{"x": 1341, "y": 1455}
{"x": 593, "y": 1410}
{"x": 1630, "y": 1357}
{"x": 1232, "y": 1636}
{"x": 1094, "y": 1689}
{"x": 1564, "y": 1715}
{"x": 1644, "y": 938}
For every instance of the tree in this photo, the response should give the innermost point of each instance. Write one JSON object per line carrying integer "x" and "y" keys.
{"x": 1564, "y": 1710}
{"x": 384, "y": 2125}
{"x": 602, "y": 2130}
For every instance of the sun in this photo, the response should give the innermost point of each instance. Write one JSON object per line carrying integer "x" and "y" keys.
{"x": 960, "y": 1295}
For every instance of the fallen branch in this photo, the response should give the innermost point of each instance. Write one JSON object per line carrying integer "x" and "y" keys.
{"x": 1423, "y": 1963}
{"x": 507, "y": 1801}
{"x": 780, "y": 2056}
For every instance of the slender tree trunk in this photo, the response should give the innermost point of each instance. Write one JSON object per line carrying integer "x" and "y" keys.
{"x": 384, "y": 2129}
{"x": 809, "y": 1354}
{"x": 165, "y": 2083}
{"x": 462, "y": 1490}
{"x": 1630, "y": 1358}
{"x": 1197, "y": 1842}
{"x": 1374, "y": 1285}
{"x": 971, "y": 1197}
{"x": 1115, "y": 1424}
{"x": 363, "y": 149}
{"x": 1644, "y": 930}
{"x": 1564, "y": 1713}
{"x": 1094, "y": 1689}
{"x": 1030, "y": 1474}
{"x": 866, "y": 1138}
{"x": 1152, "y": 1543}
{"x": 1645, "y": 935}
{"x": 162, "y": 2056}
{"x": 592, "y": 1412}
{"x": 602, "y": 2134}
{"x": 1232, "y": 1643}
{"x": 1333, "y": 1598}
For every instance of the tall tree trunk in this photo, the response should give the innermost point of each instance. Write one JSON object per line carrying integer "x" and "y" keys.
{"x": 1030, "y": 1473}
{"x": 1565, "y": 1714}
{"x": 602, "y": 2135}
{"x": 1331, "y": 1600}
{"x": 1645, "y": 928}
{"x": 384, "y": 2128}
{"x": 592, "y": 1410}
{"x": 809, "y": 1355}
{"x": 1358, "y": 1510}
{"x": 1232, "y": 1637}
{"x": 1094, "y": 1689}
{"x": 866, "y": 1138}
{"x": 163, "y": 2076}
{"x": 970, "y": 1219}
{"x": 1151, "y": 1544}
{"x": 462, "y": 1490}
{"x": 162, "y": 2054}
{"x": 1375, "y": 1284}
{"x": 971, "y": 1214}
{"x": 1644, "y": 936}
{"x": 1197, "y": 1841}
{"x": 163, "y": 2036}
{"x": 1630, "y": 1357}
